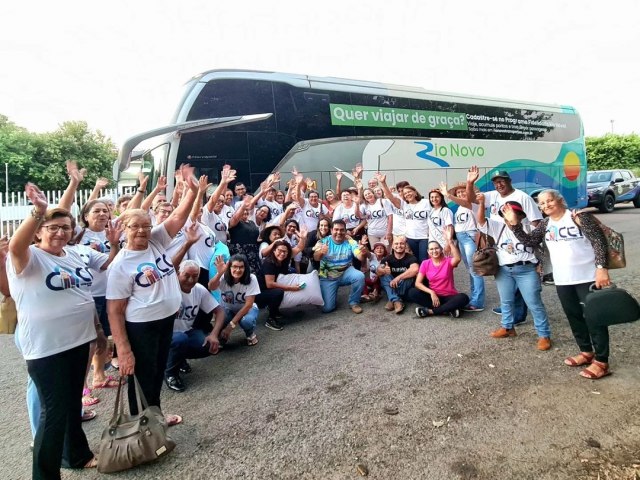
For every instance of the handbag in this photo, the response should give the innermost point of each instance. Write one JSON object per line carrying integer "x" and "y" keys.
{"x": 610, "y": 306}
{"x": 132, "y": 440}
{"x": 485, "y": 258}
{"x": 616, "y": 257}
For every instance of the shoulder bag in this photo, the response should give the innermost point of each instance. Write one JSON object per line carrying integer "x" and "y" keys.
{"x": 616, "y": 257}
{"x": 485, "y": 258}
{"x": 132, "y": 440}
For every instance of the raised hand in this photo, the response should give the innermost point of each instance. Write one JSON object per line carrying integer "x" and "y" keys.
{"x": 444, "y": 190}
{"x": 509, "y": 214}
{"x": 72, "y": 169}
{"x": 381, "y": 177}
{"x": 37, "y": 197}
{"x": 276, "y": 177}
{"x": 102, "y": 183}
{"x": 114, "y": 231}
{"x": 221, "y": 265}
{"x": 299, "y": 178}
{"x": 192, "y": 234}
{"x": 358, "y": 183}
{"x": 311, "y": 184}
{"x": 339, "y": 175}
{"x": 473, "y": 174}
{"x": 480, "y": 198}
{"x": 303, "y": 232}
{"x": 203, "y": 183}
{"x": 162, "y": 183}
{"x": 142, "y": 180}
{"x": 357, "y": 171}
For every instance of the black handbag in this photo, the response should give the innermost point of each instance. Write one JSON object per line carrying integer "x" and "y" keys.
{"x": 132, "y": 440}
{"x": 610, "y": 306}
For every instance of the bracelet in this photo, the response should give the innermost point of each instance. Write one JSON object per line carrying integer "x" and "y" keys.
{"x": 37, "y": 215}
{"x": 140, "y": 191}
{"x": 232, "y": 325}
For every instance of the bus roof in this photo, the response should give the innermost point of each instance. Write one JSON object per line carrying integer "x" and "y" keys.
{"x": 367, "y": 87}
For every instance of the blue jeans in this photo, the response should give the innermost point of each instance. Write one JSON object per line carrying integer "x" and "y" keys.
{"x": 33, "y": 401}
{"x": 185, "y": 345}
{"x": 247, "y": 323}
{"x": 419, "y": 248}
{"x": 329, "y": 288}
{"x": 467, "y": 249}
{"x": 526, "y": 279}
{"x": 399, "y": 293}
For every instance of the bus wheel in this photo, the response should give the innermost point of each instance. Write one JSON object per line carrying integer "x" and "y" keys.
{"x": 608, "y": 203}
{"x": 636, "y": 201}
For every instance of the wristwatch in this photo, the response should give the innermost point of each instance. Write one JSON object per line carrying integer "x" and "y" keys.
{"x": 599, "y": 266}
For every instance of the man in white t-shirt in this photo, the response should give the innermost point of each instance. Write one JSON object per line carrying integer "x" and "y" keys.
{"x": 188, "y": 342}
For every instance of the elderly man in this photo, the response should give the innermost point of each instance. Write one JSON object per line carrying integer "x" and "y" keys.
{"x": 397, "y": 273}
{"x": 189, "y": 342}
{"x": 336, "y": 254}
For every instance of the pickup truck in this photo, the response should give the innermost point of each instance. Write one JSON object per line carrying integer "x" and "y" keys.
{"x": 605, "y": 188}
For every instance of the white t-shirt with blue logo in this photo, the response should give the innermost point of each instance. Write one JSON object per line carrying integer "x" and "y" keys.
{"x": 198, "y": 299}
{"x": 215, "y": 223}
{"x": 416, "y": 216}
{"x": 147, "y": 279}
{"x": 234, "y": 296}
{"x": 98, "y": 242}
{"x": 54, "y": 302}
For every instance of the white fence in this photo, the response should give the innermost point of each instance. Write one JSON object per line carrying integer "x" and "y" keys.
{"x": 15, "y": 207}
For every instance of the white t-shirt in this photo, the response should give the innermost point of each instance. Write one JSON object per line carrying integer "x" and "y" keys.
{"x": 147, "y": 279}
{"x": 226, "y": 213}
{"x": 417, "y": 219}
{"x": 233, "y": 297}
{"x": 54, "y": 302}
{"x": 310, "y": 215}
{"x": 348, "y": 215}
{"x": 465, "y": 219}
{"x": 198, "y": 299}
{"x": 99, "y": 243}
{"x": 508, "y": 247}
{"x": 275, "y": 207}
{"x": 438, "y": 220}
{"x": 202, "y": 250}
{"x": 571, "y": 253}
{"x": 216, "y": 224}
{"x": 399, "y": 222}
{"x": 377, "y": 216}
{"x": 374, "y": 263}
{"x": 494, "y": 202}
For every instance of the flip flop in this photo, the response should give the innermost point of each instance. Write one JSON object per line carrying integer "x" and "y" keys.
{"x": 93, "y": 463}
{"x": 108, "y": 382}
{"x": 88, "y": 399}
{"x": 252, "y": 340}
{"x": 173, "y": 419}
{"x": 89, "y": 415}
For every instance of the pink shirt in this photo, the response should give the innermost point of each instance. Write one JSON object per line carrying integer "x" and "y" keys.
{"x": 440, "y": 276}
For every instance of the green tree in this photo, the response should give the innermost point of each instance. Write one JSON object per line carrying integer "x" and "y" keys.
{"x": 41, "y": 157}
{"x": 613, "y": 151}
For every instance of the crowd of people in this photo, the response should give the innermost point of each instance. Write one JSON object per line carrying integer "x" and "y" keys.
{"x": 169, "y": 279}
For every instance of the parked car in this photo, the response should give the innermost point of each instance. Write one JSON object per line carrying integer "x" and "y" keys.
{"x": 608, "y": 187}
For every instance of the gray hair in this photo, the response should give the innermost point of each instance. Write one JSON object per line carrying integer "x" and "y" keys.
{"x": 555, "y": 195}
{"x": 189, "y": 263}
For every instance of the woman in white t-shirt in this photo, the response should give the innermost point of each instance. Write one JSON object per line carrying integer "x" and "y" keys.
{"x": 51, "y": 286}
{"x": 378, "y": 212}
{"x": 143, "y": 297}
{"x": 440, "y": 221}
{"x": 578, "y": 251}
{"x": 238, "y": 290}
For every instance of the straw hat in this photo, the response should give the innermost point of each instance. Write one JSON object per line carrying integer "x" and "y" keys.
{"x": 459, "y": 185}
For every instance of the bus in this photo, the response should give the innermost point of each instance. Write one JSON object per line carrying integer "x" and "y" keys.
{"x": 260, "y": 122}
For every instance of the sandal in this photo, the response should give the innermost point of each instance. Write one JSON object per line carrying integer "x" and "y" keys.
{"x": 89, "y": 415}
{"x": 583, "y": 358}
{"x": 93, "y": 463}
{"x": 596, "y": 370}
{"x": 252, "y": 340}
{"x": 88, "y": 399}
{"x": 108, "y": 382}
{"x": 172, "y": 419}
{"x": 366, "y": 298}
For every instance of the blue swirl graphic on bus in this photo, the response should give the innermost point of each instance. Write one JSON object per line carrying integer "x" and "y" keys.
{"x": 424, "y": 154}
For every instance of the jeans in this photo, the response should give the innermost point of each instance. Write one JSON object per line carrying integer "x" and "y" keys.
{"x": 185, "y": 345}
{"x": 467, "y": 249}
{"x": 448, "y": 303}
{"x": 247, "y": 323}
{"x": 33, "y": 402}
{"x": 419, "y": 248}
{"x": 399, "y": 293}
{"x": 150, "y": 343}
{"x": 588, "y": 339}
{"x": 329, "y": 288}
{"x": 526, "y": 279}
{"x": 60, "y": 440}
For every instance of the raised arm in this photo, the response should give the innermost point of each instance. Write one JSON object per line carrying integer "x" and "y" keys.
{"x": 203, "y": 185}
{"x": 191, "y": 237}
{"x": 75, "y": 178}
{"x": 179, "y": 216}
{"x": 382, "y": 180}
{"x": 23, "y": 236}
{"x": 221, "y": 267}
{"x": 463, "y": 202}
{"x": 160, "y": 187}
{"x": 338, "y": 182}
{"x": 101, "y": 183}
{"x": 472, "y": 177}
{"x": 226, "y": 176}
{"x": 4, "y": 281}
{"x": 136, "y": 201}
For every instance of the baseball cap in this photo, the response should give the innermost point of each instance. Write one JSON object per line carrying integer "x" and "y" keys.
{"x": 516, "y": 206}
{"x": 500, "y": 174}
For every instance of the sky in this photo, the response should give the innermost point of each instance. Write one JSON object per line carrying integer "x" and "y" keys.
{"x": 120, "y": 65}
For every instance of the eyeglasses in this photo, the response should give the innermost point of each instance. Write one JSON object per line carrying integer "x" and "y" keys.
{"x": 282, "y": 251}
{"x": 56, "y": 228}
{"x": 145, "y": 228}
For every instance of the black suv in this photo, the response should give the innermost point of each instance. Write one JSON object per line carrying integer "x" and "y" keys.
{"x": 608, "y": 187}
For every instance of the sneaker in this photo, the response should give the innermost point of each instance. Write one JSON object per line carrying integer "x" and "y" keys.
{"x": 185, "y": 367}
{"x": 422, "y": 312}
{"x": 471, "y": 308}
{"x": 455, "y": 313}
{"x": 389, "y": 306}
{"x": 356, "y": 308}
{"x": 398, "y": 307}
{"x": 548, "y": 279}
{"x": 273, "y": 324}
{"x": 503, "y": 333}
{"x": 497, "y": 310}
{"x": 544, "y": 343}
{"x": 174, "y": 382}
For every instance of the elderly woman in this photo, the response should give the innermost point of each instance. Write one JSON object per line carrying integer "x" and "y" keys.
{"x": 579, "y": 259}
{"x": 438, "y": 295}
{"x": 51, "y": 285}
{"x": 143, "y": 297}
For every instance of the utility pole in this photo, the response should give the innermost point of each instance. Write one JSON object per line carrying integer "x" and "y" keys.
{"x": 612, "y": 125}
